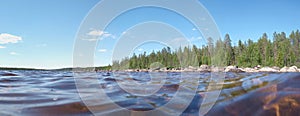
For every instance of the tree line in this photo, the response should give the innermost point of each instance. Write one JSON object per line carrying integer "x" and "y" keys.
{"x": 282, "y": 50}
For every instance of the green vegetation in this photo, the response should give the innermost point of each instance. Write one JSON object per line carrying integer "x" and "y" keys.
{"x": 103, "y": 68}
{"x": 281, "y": 51}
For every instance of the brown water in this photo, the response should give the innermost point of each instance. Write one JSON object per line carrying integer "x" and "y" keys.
{"x": 55, "y": 93}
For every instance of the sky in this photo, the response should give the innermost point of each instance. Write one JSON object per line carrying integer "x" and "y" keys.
{"x": 41, "y": 34}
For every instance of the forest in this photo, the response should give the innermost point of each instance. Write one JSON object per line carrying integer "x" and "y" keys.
{"x": 280, "y": 50}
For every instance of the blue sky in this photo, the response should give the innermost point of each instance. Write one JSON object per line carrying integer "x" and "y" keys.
{"x": 40, "y": 34}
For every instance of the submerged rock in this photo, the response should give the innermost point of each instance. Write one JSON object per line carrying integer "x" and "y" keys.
{"x": 278, "y": 99}
{"x": 8, "y": 74}
{"x": 110, "y": 79}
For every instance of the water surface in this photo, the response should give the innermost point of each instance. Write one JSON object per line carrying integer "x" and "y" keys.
{"x": 55, "y": 93}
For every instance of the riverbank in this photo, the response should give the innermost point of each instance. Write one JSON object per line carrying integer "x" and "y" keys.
{"x": 206, "y": 68}
{"x": 202, "y": 68}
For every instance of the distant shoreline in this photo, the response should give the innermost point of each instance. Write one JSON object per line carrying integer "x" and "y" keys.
{"x": 13, "y": 68}
{"x": 206, "y": 68}
{"x": 202, "y": 68}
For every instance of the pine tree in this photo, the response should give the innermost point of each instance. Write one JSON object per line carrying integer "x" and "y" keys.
{"x": 282, "y": 51}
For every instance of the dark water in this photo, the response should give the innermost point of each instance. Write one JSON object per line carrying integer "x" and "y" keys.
{"x": 55, "y": 93}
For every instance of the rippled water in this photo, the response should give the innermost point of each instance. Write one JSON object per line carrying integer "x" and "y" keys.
{"x": 55, "y": 93}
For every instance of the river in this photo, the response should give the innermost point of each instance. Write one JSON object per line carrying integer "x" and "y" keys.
{"x": 55, "y": 93}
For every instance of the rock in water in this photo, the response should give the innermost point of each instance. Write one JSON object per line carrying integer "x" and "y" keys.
{"x": 284, "y": 69}
{"x": 276, "y": 68}
{"x": 289, "y": 69}
{"x": 233, "y": 69}
{"x": 204, "y": 68}
{"x": 278, "y": 99}
{"x": 267, "y": 69}
{"x": 190, "y": 68}
{"x": 250, "y": 70}
{"x": 293, "y": 69}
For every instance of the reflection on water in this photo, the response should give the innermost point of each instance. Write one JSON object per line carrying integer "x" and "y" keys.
{"x": 55, "y": 93}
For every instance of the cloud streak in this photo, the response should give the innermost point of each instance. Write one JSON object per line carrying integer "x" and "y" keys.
{"x": 8, "y": 38}
{"x": 2, "y": 47}
{"x": 13, "y": 53}
{"x": 102, "y": 50}
{"x": 95, "y": 35}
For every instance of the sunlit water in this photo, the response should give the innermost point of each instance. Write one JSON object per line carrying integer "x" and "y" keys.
{"x": 55, "y": 92}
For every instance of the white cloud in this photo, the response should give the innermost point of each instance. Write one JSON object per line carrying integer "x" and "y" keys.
{"x": 194, "y": 29}
{"x": 95, "y": 35}
{"x": 107, "y": 35}
{"x": 8, "y": 38}
{"x": 91, "y": 39}
{"x": 99, "y": 33}
{"x": 1, "y": 47}
{"x": 13, "y": 53}
{"x": 102, "y": 50}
